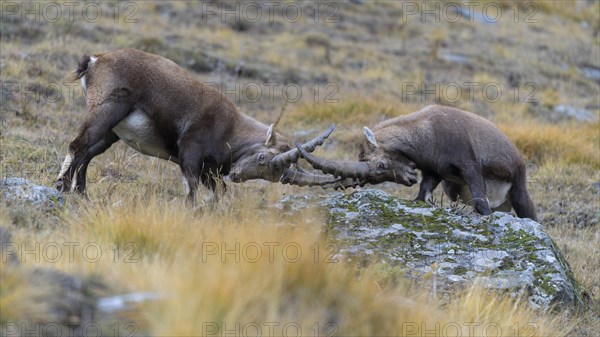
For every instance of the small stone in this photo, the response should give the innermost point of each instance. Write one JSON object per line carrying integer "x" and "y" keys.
{"x": 23, "y": 191}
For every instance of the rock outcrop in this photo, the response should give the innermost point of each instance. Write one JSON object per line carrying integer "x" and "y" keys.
{"x": 499, "y": 251}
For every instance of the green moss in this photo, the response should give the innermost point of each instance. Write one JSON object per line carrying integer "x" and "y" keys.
{"x": 520, "y": 239}
{"x": 543, "y": 280}
{"x": 460, "y": 270}
{"x": 507, "y": 263}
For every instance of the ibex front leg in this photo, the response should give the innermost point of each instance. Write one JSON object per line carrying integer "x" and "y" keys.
{"x": 95, "y": 137}
{"x": 199, "y": 166}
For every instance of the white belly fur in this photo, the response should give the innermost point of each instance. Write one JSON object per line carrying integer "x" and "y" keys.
{"x": 138, "y": 131}
{"x": 496, "y": 192}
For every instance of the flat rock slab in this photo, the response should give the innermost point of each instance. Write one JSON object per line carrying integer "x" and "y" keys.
{"x": 499, "y": 251}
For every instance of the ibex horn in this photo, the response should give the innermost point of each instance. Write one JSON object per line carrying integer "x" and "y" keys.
{"x": 291, "y": 156}
{"x": 338, "y": 168}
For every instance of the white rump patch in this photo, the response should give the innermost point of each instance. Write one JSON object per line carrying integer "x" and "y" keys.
{"x": 83, "y": 78}
{"x": 65, "y": 165}
{"x": 497, "y": 192}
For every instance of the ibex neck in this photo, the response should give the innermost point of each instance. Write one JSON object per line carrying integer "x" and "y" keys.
{"x": 247, "y": 134}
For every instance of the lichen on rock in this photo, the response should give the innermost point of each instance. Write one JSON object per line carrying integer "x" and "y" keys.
{"x": 499, "y": 251}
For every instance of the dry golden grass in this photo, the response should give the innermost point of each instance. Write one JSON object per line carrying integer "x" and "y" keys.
{"x": 350, "y": 111}
{"x": 570, "y": 10}
{"x": 580, "y": 248}
{"x": 190, "y": 258}
{"x": 568, "y": 143}
{"x": 137, "y": 213}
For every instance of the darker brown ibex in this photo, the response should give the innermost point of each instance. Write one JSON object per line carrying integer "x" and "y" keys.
{"x": 160, "y": 110}
{"x": 472, "y": 158}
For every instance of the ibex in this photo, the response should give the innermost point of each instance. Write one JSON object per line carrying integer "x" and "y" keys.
{"x": 160, "y": 110}
{"x": 472, "y": 158}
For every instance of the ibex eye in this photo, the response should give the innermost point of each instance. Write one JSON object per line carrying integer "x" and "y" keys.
{"x": 261, "y": 157}
{"x": 380, "y": 166}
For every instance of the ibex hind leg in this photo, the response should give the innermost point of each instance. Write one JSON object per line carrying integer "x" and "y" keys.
{"x": 520, "y": 199}
{"x": 95, "y": 136}
{"x": 477, "y": 187}
{"x": 106, "y": 142}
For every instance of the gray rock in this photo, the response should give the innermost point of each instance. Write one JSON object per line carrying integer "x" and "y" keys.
{"x": 67, "y": 300}
{"x": 576, "y": 113}
{"x": 456, "y": 58}
{"x": 22, "y": 191}
{"x": 119, "y": 303}
{"x": 498, "y": 251}
{"x": 591, "y": 72}
{"x": 474, "y": 15}
{"x": 69, "y": 303}
{"x": 596, "y": 186}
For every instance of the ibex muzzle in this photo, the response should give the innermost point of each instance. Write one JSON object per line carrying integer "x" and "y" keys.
{"x": 160, "y": 110}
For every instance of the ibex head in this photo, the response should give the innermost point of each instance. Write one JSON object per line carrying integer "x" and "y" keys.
{"x": 374, "y": 165}
{"x": 271, "y": 161}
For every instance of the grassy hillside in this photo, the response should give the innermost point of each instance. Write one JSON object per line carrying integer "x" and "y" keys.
{"x": 534, "y": 71}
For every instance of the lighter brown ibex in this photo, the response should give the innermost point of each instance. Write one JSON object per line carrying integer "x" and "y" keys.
{"x": 161, "y": 110}
{"x": 472, "y": 158}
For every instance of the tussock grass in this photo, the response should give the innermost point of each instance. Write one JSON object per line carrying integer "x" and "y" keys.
{"x": 242, "y": 268}
{"x": 580, "y": 248}
{"x": 570, "y": 10}
{"x": 568, "y": 143}
{"x": 360, "y": 111}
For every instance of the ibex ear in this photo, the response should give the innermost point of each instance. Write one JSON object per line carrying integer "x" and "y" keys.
{"x": 370, "y": 136}
{"x": 271, "y": 136}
